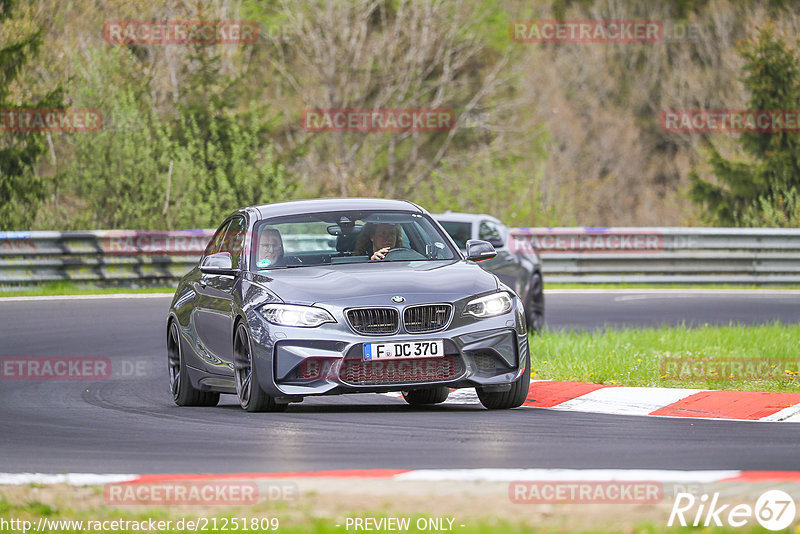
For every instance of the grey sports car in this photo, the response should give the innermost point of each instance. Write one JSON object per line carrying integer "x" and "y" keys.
{"x": 333, "y": 296}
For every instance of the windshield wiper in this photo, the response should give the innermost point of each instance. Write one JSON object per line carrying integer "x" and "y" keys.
{"x": 283, "y": 267}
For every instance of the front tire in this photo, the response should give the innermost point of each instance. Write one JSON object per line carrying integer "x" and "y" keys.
{"x": 183, "y": 393}
{"x": 513, "y": 398}
{"x": 422, "y": 397}
{"x": 251, "y": 397}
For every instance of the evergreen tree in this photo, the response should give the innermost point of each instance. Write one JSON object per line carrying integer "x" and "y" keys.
{"x": 151, "y": 170}
{"x": 21, "y": 189}
{"x": 750, "y": 192}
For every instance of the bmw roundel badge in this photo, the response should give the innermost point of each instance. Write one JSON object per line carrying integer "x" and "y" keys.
{"x": 398, "y": 299}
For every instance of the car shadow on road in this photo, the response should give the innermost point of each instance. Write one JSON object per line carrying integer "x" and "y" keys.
{"x": 339, "y": 405}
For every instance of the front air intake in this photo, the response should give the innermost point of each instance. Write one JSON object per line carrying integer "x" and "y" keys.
{"x": 374, "y": 321}
{"x": 426, "y": 318}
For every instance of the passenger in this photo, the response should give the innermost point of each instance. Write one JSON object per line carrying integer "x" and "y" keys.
{"x": 270, "y": 248}
{"x": 375, "y": 240}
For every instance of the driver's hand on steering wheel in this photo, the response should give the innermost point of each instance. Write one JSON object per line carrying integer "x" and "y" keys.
{"x": 380, "y": 254}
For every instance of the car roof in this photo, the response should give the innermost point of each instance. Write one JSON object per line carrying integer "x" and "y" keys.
{"x": 450, "y": 216}
{"x": 298, "y": 207}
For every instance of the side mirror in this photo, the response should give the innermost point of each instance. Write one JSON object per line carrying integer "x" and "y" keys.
{"x": 219, "y": 263}
{"x": 478, "y": 250}
{"x": 496, "y": 243}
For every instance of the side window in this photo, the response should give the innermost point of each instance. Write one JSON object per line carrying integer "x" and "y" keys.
{"x": 489, "y": 231}
{"x": 234, "y": 240}
{"x": 216, "y": 241}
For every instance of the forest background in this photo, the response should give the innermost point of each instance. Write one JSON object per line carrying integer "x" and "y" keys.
{"x": 546, "y": 134}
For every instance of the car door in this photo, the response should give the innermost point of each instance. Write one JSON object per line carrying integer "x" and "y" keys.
{"x": 214, "y": 304}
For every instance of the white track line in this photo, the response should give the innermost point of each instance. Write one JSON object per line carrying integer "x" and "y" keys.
{"x": 431, "y": 475}
{"x": 626, "y": 400}
{"x": 73, "y": 479}
{"x": 508, "y": 475}
{"x": 787, "y": 415}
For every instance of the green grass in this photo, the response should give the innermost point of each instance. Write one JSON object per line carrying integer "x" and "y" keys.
{"x": 77, "y": 288}
{"x": 655, "y": 357}
{"x": 297, "y": 519}
{"x": 310, "y": 522}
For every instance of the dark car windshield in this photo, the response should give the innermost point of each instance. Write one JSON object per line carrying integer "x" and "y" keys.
{"x": 347, "y": 237}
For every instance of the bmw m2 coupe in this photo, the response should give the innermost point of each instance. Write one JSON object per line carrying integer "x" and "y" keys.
{"x": 333, "y": 296}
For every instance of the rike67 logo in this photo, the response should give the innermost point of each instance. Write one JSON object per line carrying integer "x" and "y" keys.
{"x": 774, "y": 510}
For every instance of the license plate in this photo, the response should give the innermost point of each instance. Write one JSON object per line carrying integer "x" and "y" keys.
{"x": 391, "y": 350}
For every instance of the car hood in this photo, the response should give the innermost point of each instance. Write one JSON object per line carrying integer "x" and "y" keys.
{"x": 375, "y": 283}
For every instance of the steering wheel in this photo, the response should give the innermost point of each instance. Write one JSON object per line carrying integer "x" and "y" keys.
{"x": 403, "y": 253}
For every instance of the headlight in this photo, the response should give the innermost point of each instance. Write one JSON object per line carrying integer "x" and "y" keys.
{"x": 294, "y": 315}
{"x": 489, "y": 306}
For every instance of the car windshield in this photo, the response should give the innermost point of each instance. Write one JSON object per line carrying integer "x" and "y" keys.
{"x": 347, "y": 237}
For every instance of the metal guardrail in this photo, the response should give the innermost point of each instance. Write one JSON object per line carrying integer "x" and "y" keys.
{"x": 106, "y": 257}
{"x": 583, "y": 255}
{"x": 663, "y": 255}
{"x": 112, "y": 257}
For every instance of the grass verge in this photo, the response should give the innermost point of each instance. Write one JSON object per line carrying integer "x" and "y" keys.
{"x": 77, "y": 288}
{"x": 81, "y": 510}
{"x": 735, "y": 357}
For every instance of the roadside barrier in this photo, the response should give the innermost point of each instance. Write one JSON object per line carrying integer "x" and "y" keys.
{"x": 663, "y": 255}
{"x": 581, "y": 255}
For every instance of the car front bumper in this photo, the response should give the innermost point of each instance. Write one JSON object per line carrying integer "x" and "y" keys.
{"x": 294, "y": 362}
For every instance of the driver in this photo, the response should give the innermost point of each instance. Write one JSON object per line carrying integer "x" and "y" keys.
{"x": 270, "y": 247}
{"x": 377, "y": 240}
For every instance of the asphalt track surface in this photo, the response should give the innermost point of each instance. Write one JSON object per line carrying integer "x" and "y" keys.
{"x": 128, "y": 423}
